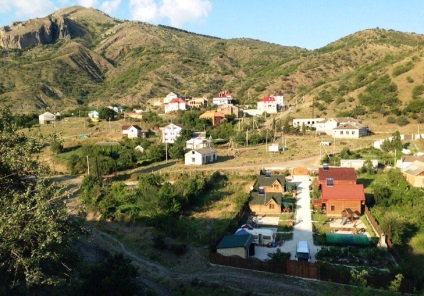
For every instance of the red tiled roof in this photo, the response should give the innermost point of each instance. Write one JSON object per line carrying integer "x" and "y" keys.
{"x": 223, "y": 94}
{"x": 267, "y": 99}
{"x": 343, "y": 192}
{"x": 339, "y": 174}
{"x": 176, "y": 100}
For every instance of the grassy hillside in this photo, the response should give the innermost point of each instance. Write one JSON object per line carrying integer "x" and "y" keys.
{"x": 373, "y": 73}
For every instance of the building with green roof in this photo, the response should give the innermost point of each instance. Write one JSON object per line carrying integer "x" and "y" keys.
{"x": 236, "y": 245}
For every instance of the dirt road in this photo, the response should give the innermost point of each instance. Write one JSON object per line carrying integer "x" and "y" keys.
{"x": 246, "y": 281}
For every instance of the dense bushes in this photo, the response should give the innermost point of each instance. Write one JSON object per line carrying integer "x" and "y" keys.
{"x": 153, "y": 196}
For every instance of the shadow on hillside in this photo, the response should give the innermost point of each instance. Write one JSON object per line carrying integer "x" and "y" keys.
{"x": 224, "y": 158}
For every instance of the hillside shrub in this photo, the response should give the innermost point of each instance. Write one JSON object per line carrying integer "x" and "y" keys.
{"x": 400, "y": 69}
{"x": 402, "y": 121}
{"x": 417, "y": 91}
{"x": 409, "y": 79}
{"x": 391, "y": 119}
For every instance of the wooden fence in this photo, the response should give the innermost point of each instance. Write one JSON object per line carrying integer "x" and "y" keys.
{"x": 323, "y": 272}
{"x": 294, "y": 268}
{"x": 373, "y": 222}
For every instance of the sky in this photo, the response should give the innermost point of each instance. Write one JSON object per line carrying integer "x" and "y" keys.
{"x": 309, "y": 24}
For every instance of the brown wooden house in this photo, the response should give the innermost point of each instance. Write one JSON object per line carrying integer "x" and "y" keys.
{"x": 271, "y": 183}
{"x": 336, "y": 175}
{"x": 263, "y": 203}
{"x": 339, "y": 197}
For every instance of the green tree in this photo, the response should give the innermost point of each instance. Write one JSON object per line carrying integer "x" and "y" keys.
{"x": 113, "y": 276}
{"x": 56, "y": 147}
{"x": 156, "y": 152}
{"x": 107, "y": 113}
{"x": 36, "y": 229}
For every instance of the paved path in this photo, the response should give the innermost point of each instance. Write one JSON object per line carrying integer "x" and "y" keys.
{"x": 302, "y": 230}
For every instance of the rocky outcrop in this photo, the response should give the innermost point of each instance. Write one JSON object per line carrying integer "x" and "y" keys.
{"x": 20, "y": 35}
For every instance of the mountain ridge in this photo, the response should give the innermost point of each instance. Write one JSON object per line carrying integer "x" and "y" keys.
{"x": 93, "y": 58}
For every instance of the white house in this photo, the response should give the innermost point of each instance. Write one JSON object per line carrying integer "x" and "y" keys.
{"x": 357, "y": 163}
{"x": 46, "y": 118}
{"x": 279, "y": 99}
{"x": 200, "y": 156}
{"x": 133, "y": 131}
{"x": 267, "y": 104}
{"x": 197, "y": 143}
{"x": 327, "y": 125}
{"x": 170, "y": 133}
{"x": 175, "y": 105}
{"x": 350, "y": 131}
{"x": 169, "y": 97}
{"x": 223, "y": 97}
{"x": 94, "y": 115}
{"x": 308, "y": 122}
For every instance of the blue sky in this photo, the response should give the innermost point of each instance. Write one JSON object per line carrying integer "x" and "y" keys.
{"x": 305, "y": 23}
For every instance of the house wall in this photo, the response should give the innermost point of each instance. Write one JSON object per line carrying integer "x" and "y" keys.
{"x": 323, "y": 183}
{"x": 265, "y": 209}
{"x": 309, "y": 122}
{"x": 346, "y": 134}
{"x": 275, "y": 187}
{"x": 240, "y": 251}
{"x": 268, "y": 107}
{"x": 195, "y": 158}
{"x": 416, "y": 181}
{"x": 340, "y": 205}
{"x": 169, "y": 134}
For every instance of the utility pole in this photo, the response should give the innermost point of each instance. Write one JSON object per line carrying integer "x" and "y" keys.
{"x": 88, "y": 167}
{"x": 166, "y": 152}
{"x": 266, "y": 141}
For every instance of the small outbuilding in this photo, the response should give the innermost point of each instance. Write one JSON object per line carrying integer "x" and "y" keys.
{"x": 46, "y": 118}
{"x": 236, "y": 245}
{"x": 200, "y": 156}
{"x": 133, "y": 131}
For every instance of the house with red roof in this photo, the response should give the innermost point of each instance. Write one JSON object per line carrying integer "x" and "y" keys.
{"x": 175, "y": 104}
{"x": 267, "y": 104}
{"x": 337, "y": 198}
{"x": 336, "y": 175}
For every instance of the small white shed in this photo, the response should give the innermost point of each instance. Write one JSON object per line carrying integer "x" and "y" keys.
{"x": 46, "y": 118}
{"x": 200, "y": 156}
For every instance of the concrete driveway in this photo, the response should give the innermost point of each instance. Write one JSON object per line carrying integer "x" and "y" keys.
{"x": 302, "y": 229}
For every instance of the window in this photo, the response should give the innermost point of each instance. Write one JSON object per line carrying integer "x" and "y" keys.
{"x": 193, "y": 159}
{"x": 271, "y": 206}
{"x": 333, "y": 208}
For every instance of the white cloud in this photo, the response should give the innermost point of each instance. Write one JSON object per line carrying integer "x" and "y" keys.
{"x": 177, "y": 12}
{"x": 144, "y": 10}
{"x": 88, "y": 3}
{"x": 24, "y": 9}
{"x": 181, "y": 11}
{"x": 110, "y": 6}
